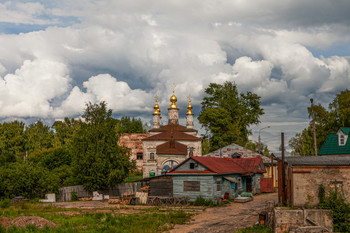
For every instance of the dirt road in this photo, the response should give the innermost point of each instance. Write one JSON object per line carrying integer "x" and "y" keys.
{"x": 229, "y": 218}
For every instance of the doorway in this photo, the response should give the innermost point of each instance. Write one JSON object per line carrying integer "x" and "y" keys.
{"x": 249, "y": 187}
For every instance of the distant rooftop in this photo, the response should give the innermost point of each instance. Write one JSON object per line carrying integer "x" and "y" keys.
{"x": 332, "y": 160}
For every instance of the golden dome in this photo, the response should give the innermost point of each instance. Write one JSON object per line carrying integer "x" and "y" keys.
{"x": 189, "y": 107}
{"x": 173, "y": 100}
{"x": 156, "y": 107}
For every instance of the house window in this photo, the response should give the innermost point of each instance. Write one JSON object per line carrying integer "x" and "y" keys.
{"x": 191, "y": 165}
{"x": 236, "y": 155}
{"x": 337, "y": 186}
{"x": 139, "y": 156}
{"x": 218, "y": 185}
{"x": 151, "y": 156}
{"x": 342, "y": 140}
{"x": 192, "y": 186}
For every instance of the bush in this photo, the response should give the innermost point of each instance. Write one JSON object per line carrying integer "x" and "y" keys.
{"x": 74, "y": 196}
{"x": 340, "y": 210}
{"x": 5, "y": 204}
{"x": 201, "y": 201}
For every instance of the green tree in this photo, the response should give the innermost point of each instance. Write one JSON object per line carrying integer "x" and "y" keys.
{"x": 326, "y": 122}
{"x": 26, "y": 179}
{"x": 254, "y": 146}
{"x": 227, "y": 114}
{"x": 98, "y": 161}
{"x": 130, "y": 125}
{"x": 12, "y": 142}
{"x": 64, "y": 130}
{"x": 38, "y": 137}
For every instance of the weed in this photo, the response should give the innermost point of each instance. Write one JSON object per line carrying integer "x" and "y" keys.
{"x": 255, "y": 229}
{"x": 98, "y": 222}
{"x": 74, "y": 196}
{"x": 340, "y": 211}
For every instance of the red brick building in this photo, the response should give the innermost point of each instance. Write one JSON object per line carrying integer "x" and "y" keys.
{"x": 133, "y": 141}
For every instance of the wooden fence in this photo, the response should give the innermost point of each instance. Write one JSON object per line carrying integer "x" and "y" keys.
{"x": 65, "y": 193}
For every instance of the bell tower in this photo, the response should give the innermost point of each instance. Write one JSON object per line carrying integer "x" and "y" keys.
{"x": 156, "y": 115}
{"x": 189, "y": 115}
{"x": 173, "y": 110}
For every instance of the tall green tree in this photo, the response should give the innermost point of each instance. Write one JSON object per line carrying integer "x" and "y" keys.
{"x": 38, "y": 137}
{"x": 326, "y": 122}
{"x": 64, "y": 130}
{"x": 130, "y": 125}
{"x": 227, "y": 114}
{"x": 98, "y": 161}
{"x": 12, "y": 142}
{"x": 254, "y": 146}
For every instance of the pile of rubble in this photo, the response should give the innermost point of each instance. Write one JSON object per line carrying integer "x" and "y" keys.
{"x": 26, "y": 220}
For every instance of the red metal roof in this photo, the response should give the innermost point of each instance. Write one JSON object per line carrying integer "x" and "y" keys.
{"x": 227, "y": 165}
{"x": 172, "y": 148}
{"x": 175, "y": 135}
{"x": 193, "y": 172}
{"x": 174, "y": 128}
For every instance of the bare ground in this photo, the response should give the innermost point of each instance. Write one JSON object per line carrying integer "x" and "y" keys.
{"x": 229, "y": 218}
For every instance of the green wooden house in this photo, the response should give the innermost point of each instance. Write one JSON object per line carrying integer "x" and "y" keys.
{"x": 337, "y": 143}
{"x": 213, "y": 178}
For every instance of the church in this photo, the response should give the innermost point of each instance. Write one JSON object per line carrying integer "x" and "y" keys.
{"x": 170, "y": 144}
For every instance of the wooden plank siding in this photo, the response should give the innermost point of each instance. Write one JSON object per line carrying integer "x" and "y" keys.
{"x": 186, "y": 166}
{"x": 206, "y": 187}
{"x": 162, "y": 186}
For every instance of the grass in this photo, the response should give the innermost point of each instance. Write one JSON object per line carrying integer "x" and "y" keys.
{"x": 255, "y": 229}
{"x": 94, "y": 222}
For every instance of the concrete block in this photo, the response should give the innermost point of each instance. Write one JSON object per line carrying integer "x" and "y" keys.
{"x": 97, "y": 196}
{"x": 51, "y": 197}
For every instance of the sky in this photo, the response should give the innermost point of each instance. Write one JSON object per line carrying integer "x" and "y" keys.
{"x": 57, "y": 55}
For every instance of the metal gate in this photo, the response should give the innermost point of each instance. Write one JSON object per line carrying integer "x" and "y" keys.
{"x": 266, "y": 185}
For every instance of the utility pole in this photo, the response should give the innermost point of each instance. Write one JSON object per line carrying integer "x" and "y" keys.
{"x": 259, "y": 138}
{"x": 284, "y": 195}
{"x": 313, "y": 125}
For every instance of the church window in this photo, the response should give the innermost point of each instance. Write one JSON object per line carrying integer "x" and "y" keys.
{"x": 151, "y": 156}
{"x": 139, "y": 156}
{"x": 169, "y": 165}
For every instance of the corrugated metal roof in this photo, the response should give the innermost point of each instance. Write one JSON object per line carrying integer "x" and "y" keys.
{"x": 226, "y": 165}
{"x": 192, "y": 172}
{"x": 331, "y": 146}
{"x": 175, "y": 135}
{"x": 332, "y": 160}
{"x": 345, "y": 130}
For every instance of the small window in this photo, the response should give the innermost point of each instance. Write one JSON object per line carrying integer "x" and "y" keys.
{"x": 236, "y": 155}
{"x": 218, "y": 185}
{"x": 191, "y": 165}
{"x": 342, "y": 140}
{"x": 192, "y": 186}
{"x": 151, "y": 156}
{"x": 139, "y": 156}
